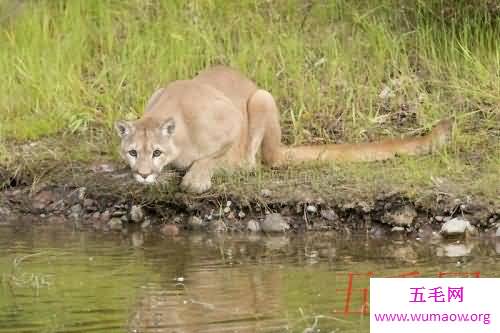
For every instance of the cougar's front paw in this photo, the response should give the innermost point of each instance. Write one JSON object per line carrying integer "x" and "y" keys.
{"x": 196, "y": 182}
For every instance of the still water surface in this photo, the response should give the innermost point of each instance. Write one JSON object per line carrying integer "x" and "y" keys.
{"x": 55, "y": 279}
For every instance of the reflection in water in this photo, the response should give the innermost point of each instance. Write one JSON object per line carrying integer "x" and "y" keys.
{"x": 60, "y": 280}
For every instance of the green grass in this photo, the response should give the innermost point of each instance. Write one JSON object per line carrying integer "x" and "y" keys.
{"x": 71, "y": 68}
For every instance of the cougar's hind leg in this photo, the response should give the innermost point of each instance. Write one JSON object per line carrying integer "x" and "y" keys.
{"x": 264, "y": 129}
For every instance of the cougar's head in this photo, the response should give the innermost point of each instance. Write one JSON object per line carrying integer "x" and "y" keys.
{"x": 147, "y": 146}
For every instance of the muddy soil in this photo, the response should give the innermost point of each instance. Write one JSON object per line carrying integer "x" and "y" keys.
{"x": 104, "y": 199}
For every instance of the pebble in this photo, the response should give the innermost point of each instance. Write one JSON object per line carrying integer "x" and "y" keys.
{"x": 312, "y": 209}
{"x": 115, "y": 223}
{"x": 253, "y": 226}
{"x": 227, "y": 209}
{"x": 274, "y": 223}
{"x": 241, "y": 214}
{"x": 76, "y": 209}
{"x": 43, "y": 198}
{"x": 136, "y": 214}
{"x": 218, "y": 226}
{"x": 456, "y": 227}
{"x": 118, "y": 213}
{"x": 4, "y": 211}
{"x": 105, "y": 216}
{"x": 57, "y": 219}
{"x": 403, "y": 216}
{"x": 195, "y": 222}
{"x": 81, "y": 193}
{"x": 145, "y": 224}
{"x": 439, "y": 218}
{"x": 329, "y": 214}
{"x": 88, "y": 203}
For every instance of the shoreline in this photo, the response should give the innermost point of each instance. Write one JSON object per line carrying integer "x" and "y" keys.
{"x": 111, "y": 202}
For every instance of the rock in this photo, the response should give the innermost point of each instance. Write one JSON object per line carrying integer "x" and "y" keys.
{"x": 425, "y": 231}
{"x": 118, "y": 213}
{"x": 241, "y": 214}
{"x": 454, "y": 250}
{"x": 397, "y": 229}
{"x": 145, "y": 224}
{"x": 227, "y": 209}
{"x": 266, "y": 193}
{"x": 378, "y": 231}
{"x": 218, "y": 226}
{"x": 136, "y": 214}
{"x": 498, "y": 232}
{"x": 4, "y": 211}
{"x": 56, "y": 219}
{"x": 253, "y": 226}
{"x": 115, "y": 224}
{"x": 105, "y": 216}
{"x": 274, "y": 223}
{"x": 88, "y": 203}
{"x": 457, "y": 227}
{"x": 194, "y": 222}
{"x": 228, "y": 204}
{"x": 365, "y": 206}
{"x": 76, "y": 209}
{"x": 170, "y": 229}
{"x": 81, "y": 193}
{"x": 401, "y": 217}
{"x": 43, "y": 198}
{"x": 311, "y": 209}
{"x": 439, "y": 218}
{"x": 329, "y": 214}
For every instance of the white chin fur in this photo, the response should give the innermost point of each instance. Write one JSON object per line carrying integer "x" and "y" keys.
{"x": 151, "y": 179}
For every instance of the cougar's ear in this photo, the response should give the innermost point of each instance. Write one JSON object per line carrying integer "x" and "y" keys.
{"x": 168, "y": 127}
{"x": 124, "y": 128}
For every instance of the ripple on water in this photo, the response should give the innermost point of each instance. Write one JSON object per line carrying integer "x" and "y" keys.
{"x": 59, "y": 280}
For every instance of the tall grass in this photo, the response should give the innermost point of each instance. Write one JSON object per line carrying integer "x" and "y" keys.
{"x": 340, "y": 70}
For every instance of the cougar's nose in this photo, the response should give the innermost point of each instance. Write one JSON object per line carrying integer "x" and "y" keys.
{"x": 143, "y": 175}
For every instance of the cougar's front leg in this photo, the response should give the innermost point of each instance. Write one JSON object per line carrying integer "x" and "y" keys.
{"x": 198, "y": 179}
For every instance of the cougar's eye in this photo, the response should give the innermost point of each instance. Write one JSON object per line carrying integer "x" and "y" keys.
{"x": 156, "y": 153}
{"x": 132, "y": 153}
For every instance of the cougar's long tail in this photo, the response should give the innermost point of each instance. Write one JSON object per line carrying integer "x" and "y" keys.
{"x": 373, "y": 151}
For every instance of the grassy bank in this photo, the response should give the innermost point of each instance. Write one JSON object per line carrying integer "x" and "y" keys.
{"x": 341, "y": 71}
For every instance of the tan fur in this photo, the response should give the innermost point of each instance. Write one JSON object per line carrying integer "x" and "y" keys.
{"x": 221, "y": 119}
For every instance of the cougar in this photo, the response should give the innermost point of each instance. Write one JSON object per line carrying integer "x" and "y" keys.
{"x": 221, "y": 119}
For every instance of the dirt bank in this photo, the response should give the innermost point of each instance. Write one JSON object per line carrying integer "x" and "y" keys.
{"x": 104, "y": 198}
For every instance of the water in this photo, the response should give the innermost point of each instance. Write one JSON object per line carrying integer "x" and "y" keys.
{"x": 55, "y": 279}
